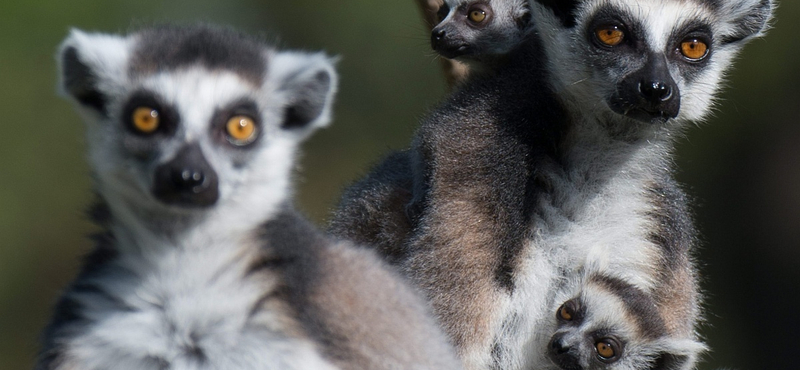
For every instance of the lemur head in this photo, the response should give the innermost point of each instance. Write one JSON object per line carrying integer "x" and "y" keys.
{"x": 479, "y": 29}
{"x": 183, "y": 120}
{"x": 611, "y": 324}
{"x": 652, "y": 61}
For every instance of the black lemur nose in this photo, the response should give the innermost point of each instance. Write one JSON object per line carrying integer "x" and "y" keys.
{"x": 188, "y": 178}
{"x": 655, "y": 91}
{"x": 437, "y": 34}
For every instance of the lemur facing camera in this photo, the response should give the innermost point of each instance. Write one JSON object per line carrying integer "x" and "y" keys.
{"x": 613, "y": 325}
{"x": 559, "y": 161}
{"x": 203, "y": 263}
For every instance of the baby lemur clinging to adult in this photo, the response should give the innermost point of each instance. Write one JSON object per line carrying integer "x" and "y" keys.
{"x": 610, "y": 324}
{"x": 202, "y": 262}
{"x": 560, "y": 160}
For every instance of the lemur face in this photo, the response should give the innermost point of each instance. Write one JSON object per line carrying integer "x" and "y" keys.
{"x": 613, "y": 325}
{"x": 174, "y": 128}
{"x": 651, "y": 60}
{"x": 478, "y": 29}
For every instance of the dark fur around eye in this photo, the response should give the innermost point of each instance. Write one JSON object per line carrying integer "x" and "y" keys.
{"x": 168, "y": 116}
{"x": 241, "y": 107}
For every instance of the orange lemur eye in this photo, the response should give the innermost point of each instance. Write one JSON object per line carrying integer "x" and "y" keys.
{"x": 694, "y": 49}
{"x": 610, "y": 35}
{"x": 145, "y": 119}
{"x": 477, "y": 15}
{"x": 241, "y": 130}
{"x": 605, "y": 349}
{"x": 565, "y": 312}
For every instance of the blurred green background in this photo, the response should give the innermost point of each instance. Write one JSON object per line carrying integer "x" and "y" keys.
{"x": 742, "y": 167}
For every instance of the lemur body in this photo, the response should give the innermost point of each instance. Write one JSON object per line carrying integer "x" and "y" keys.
{"x": 560, "y": 161}
{"x": 202, "y": 263}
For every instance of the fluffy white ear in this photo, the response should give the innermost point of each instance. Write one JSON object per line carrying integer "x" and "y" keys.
{"x": 678, "y": 354}
{"x": 309, "y": 82}
{"x": 91, "y": 67}
{"x": 743, "y": 20}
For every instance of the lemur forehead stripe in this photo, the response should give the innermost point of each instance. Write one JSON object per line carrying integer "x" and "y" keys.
{"x": 638, "y": 304}
{"x": 168, "y": 48}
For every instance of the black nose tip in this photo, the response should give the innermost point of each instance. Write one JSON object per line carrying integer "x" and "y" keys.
{"x": 188, "y": 179}
{"x": 437, "y": 34}
{"x": 655, "y": 91}
{"x": 558, "y": 347}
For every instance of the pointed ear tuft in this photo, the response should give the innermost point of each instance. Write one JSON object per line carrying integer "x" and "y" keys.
{"x": 79, "y": 82}
{"x": 745, "y": 19}
{"x": 90, "y": 64}
{"x": 309, "y": 82}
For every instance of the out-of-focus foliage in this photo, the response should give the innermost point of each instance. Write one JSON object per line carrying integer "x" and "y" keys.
{"x": 742, "y": 167}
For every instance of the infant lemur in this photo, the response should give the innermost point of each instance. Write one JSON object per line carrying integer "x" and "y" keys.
{"x": 554, "y": 167}
{"x": 203, "y": 263}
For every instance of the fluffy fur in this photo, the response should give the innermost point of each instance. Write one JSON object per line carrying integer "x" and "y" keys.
{"x": 558, "y": 162}
{"x": 610, "y": 314}
{"x": 222, "y": 274}
{"x": 480, "y": 42}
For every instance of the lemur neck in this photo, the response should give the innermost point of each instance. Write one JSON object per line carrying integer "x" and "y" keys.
{"x": 140, "y": 229}
{"x": 603, "y": 146}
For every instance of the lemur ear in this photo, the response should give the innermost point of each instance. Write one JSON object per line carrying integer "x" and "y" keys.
{"x": 745, "y": 19}
{"x": 309, "y": 82}
{"x": 91, "y": 65}
{"x": 677, "y": 354}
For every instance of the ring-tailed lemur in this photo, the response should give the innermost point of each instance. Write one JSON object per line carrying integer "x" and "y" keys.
{"x": 479, "y": 33}
{"x": 560, "y": 161}
{"x": 611, "y": 324}
{"x": 203, "y": 263}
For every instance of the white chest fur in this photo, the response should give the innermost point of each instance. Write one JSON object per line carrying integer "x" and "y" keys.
{"x": 595, "y": 219}
{"x": 187, "y": 306}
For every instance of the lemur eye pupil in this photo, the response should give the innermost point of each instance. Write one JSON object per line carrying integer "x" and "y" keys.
{"x": 694, "y": 49}
{"x": 605, "y": 350}
{"x": 241, "y": 130}
{"x": 477, "y": 16}
{"x": 610, "y": 35}
{"x": 145, "y": 119}
{"x": 565, "y": 313}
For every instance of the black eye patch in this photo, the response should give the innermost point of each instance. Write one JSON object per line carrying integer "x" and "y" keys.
{"x": 168, "y": 117}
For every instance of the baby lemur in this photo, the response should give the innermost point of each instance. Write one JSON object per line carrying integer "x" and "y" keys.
{"x": 613, "y": 325}
{"x": 202, "y": 262}
{"x": 557, "y": 161}
{"x": 480, "y": 33}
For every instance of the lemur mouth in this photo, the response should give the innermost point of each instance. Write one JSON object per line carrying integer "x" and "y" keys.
{"x": 648, "y": 116}
{"x": 454, "y": 51}
{"x": 653, "y": 114}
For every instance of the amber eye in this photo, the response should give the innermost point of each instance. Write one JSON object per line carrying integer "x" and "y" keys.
{"x": 606, "y": 349}
{"x": 477, "y": 15}
{"x": 565, "y": 312}
{"x": 241, "y": 130}
{"x": 145, "y": 119}
{"x": 610, "y": 35}
{"x": 694, "y": 49}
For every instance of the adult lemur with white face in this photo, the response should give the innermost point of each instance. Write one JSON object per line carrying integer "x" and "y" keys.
{"x": 559, "y": 160}
{"x": 203, "y": 263}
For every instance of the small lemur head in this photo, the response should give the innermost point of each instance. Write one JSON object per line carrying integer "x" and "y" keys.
{"x": 650, "y": 60}
{"x": 186, "y": 119}
{"x": 476, "y": 30}
{"x": 611, "y": 324}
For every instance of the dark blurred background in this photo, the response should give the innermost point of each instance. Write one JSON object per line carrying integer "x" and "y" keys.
{"x": 742, "y": 167}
